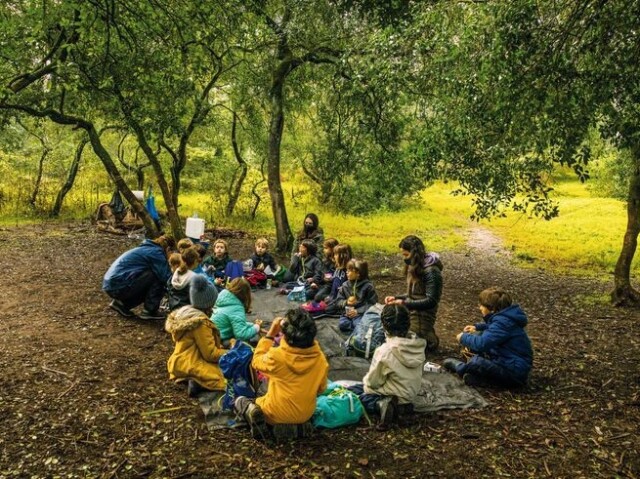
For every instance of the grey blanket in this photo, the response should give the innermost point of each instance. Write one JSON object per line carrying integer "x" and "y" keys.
{"x": 438, "y": 390}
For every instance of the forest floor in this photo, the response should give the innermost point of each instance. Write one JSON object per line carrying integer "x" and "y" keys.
{"x": 84, "y": 393}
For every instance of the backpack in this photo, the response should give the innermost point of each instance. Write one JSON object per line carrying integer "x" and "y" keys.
{"x": 241, "y": 378}
{"x": 337, "y": 407}
{"x": 367, "y": 335}
{"x": 233, "y": 270}
{"x": 255, "y": 277}
{"x": 297, "y": 294}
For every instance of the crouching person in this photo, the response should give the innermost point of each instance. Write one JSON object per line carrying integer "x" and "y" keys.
{"x": 297, "y": 372}
{"x": 395, "y": 375}
{"x": 197, "y": 341}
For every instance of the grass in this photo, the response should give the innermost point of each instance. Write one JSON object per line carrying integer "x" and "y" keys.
{"x": 585, "y": 239}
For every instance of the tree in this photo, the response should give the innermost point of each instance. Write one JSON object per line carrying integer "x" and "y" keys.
{"x": 520, "y": 84}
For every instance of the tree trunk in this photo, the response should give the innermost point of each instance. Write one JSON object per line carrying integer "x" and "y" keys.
{"x": 236, "y": 184}
{"x": 284, "y": 238}
{"x": 623, "y": 293}
{"x": 36, "y": 188}
{"x": 71, "y": 178}
{"x": 109, "y": 165}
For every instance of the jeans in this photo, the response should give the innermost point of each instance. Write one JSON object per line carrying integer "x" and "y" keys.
{"x": 146, "y": 288}
{"x": 369, "y": 401}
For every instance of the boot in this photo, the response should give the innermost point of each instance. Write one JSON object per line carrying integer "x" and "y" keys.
{"x": 387, "y": 407}
{"x": 289, "y": 432}
{"x": 452, "y": 365}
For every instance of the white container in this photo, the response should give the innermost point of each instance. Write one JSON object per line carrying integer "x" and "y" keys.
{"x": 139, "y": 194}
{"x": 195, "y": 228}
{"x": 432, "y": 367}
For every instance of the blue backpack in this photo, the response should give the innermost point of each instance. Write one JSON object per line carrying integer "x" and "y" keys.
{"x": 241, "y": 379}
{"x": 233, "y": 270}
{"x": 367, "y": 335}
{"x": 336, "y": 407}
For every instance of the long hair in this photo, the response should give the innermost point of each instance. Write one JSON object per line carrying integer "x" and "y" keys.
{"x": 167, "y": 242}
{"x": 190, "y": 260}
{"x": 342, "y": 254}
{"x": 316, "y": 222}
{"x": 241, "y": 288}
{"x": 415, "y": 247}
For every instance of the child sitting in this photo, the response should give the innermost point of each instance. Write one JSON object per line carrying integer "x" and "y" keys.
{"x": 394, "y": 377}
{"x": 355, "y": 296}
{"x": 262, "y": 266}
{"x": 503, "y": 353}
{"x": 297, "y": 370}
{"x": 342, "y": 254}
{"x": 178, "y": 285}
{"x": 230, "y": 313}
{"x": 216, "y": 263}
{"x": 328, "y": 268}
{"x": 197, "y": 341}
{"x": 305, "y": 268}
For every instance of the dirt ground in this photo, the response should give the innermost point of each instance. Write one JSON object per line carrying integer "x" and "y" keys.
{"x": 84, "y": 393}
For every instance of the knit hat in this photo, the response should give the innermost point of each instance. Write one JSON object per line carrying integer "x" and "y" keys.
{"x": 202, "y": 294}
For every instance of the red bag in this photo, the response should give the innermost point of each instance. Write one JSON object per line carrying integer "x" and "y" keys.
{"x": 255, "y": 277}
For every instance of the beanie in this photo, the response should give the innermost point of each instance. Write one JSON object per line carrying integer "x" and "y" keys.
{"x": 202, "y": 294}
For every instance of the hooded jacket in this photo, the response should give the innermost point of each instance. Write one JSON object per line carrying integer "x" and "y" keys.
{"x": 178, "y": 289}
{"x": 197, "y": 349}
{"x": 231, "y": 319}
{"x": 124, "y": 271}
{"x": 396, "y": 368}
{"x": 296, "y": 377}
{"x": 504, "y": 340}
{"x": 423, "y": 296}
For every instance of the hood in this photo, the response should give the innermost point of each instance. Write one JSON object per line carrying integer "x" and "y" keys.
{"x": 409, "y": 351}
{"x": 227, "y": 298}
{"x": 301, "y": 360}
{"x": 513, "y": 313}
{"x": 185, "y": 318}
{"x": 181, "y": 281}
{"x": 432, "y": 259}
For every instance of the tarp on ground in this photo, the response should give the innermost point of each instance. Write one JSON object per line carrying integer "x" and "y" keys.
{"x": 438, "y": 390}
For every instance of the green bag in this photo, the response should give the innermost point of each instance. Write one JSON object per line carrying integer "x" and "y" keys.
{"x": 279, "y": 276}
{"x": 337, "y": 407}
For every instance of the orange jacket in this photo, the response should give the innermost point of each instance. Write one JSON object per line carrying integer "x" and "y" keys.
{"x": 296, "y": 377}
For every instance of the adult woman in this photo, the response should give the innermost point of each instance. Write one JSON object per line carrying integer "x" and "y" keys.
{"x": 230, "y": 313}
{"x": 140, "y": 276}
{"x": 424, "y": 289}
{"x": 310, "y": 230}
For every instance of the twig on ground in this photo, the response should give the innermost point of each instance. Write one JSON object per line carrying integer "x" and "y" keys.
{"x": 45, "y": 368}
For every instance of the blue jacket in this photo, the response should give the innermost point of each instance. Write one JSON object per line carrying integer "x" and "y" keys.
{"x": 123, "y": 271}
{"x": 230, "y": 318}
{"x": 504, "y": 340}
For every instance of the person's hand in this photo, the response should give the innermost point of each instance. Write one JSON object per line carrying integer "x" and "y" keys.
{"x": 276, "y": 327}
{"x": 260, "y": 267}
{"x": 469, "y": 329}
{"x": 459, "y": 336}
{"x": 351, "y": 313}
{"x": 219, "y": 281}
{"x": 232, "y": 342}
{"x": 259, "y": 322}
{"x": 314, "y": 286}
{"x": 389, "y": 299}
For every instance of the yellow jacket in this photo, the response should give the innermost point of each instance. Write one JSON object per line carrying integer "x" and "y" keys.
{"x": 197, "y": 350}
{"x": 296, "y": 377}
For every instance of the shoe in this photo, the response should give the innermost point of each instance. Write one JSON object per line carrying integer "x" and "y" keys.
{"x": 194, "y": 389}
{"x": 452, "y": 365}
{"x": 155, "y": 315}
{"x": 388, "y": 409}
{"x": 290, "y": 432}
{"x": 119, "y": 307}
{"x": 255, "y": 418}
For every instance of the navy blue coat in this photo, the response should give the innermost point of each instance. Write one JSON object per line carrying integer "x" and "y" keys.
{"x": 124, "y": 271}
{"x": 504, "y": 340}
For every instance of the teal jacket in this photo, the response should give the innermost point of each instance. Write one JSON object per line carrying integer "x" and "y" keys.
{"x": 230, "y": 318}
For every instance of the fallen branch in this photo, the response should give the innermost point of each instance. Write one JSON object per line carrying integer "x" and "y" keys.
{"x": 45, "y": 368}
{"x": 160, "y": 411}
{"x": 64, "y": 393}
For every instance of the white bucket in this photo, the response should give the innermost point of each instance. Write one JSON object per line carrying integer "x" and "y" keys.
{"x": 139, "y": 194}
{"x": 195, "y": 228}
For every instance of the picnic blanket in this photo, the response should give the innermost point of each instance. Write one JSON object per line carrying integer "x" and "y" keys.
{"x": 438, "y": 390}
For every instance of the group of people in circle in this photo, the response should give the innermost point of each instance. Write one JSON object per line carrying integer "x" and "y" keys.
{"x": 207, "y": 314}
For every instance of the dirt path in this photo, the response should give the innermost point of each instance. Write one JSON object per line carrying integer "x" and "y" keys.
{"x": 81, "y": 389}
